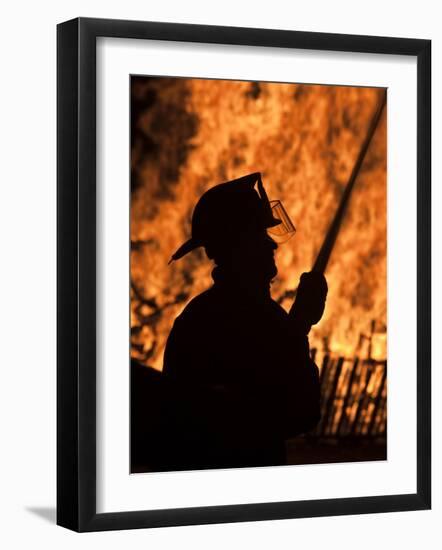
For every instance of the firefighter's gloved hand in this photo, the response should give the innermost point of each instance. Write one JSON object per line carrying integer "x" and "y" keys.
{"x": 310, "y": 299}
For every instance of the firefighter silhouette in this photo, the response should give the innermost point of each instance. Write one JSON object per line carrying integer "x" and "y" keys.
{"x": 237, "y": 366}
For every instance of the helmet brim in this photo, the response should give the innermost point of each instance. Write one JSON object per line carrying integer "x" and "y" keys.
{"x": 185, "y": 248}
{"x": 191, "y": 244}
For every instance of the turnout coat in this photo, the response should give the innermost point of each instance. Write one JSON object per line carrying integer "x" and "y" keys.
{"x": 240, "y": 382}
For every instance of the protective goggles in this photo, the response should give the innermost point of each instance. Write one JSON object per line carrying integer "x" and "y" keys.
{"x": 285, "y": 230}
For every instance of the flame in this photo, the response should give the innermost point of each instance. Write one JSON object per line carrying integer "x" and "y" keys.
{"x": 190, "y": 134}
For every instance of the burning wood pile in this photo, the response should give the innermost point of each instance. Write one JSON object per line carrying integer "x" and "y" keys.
{"x": 354, "y": 397}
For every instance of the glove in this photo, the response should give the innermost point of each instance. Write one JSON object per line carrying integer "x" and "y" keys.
{"x": 309, "y": 304}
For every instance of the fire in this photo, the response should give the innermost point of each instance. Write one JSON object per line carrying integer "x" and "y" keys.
{"x": 190, "y": 134}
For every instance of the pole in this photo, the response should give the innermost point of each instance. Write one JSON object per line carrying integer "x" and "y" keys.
{"x": 332, "y": 233}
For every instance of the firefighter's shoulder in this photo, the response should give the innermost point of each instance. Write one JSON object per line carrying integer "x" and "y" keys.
{"x": 198, "y": 307}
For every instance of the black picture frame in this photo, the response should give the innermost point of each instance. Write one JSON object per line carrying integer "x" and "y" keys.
{"x": 76, "y": 273}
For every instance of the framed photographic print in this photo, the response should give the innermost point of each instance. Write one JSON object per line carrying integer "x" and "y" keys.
{"x": 243, "y": 274}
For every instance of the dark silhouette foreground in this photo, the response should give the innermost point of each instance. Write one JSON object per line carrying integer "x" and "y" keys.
{"x": 237, "y": 378}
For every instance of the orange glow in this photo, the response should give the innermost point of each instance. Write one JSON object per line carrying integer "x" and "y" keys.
{"x": 304, "y": 139}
